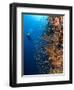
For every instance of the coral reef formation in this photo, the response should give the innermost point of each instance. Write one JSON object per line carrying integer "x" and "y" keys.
{"x": 49, "y": 55}
{"x": 55, "y": 48}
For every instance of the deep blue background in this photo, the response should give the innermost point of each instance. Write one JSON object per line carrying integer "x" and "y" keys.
{"x": 33, "y": 26}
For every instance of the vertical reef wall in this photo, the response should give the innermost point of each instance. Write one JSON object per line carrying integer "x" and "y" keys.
{"x": 49, "y": 54}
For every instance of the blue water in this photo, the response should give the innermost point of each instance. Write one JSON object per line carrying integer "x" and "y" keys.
{"x": 33, "y": 26}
